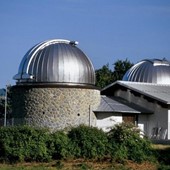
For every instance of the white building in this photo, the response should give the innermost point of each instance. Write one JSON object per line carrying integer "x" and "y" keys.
{"x": 143, "y": 98}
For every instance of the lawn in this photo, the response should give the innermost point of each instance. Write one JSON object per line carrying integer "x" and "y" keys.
{"x": 80, "y": 165}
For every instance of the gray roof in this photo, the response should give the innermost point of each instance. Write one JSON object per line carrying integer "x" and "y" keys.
{"x": 56, "y": 61}
{"x": 159, "y": 92}
{"x": 149, "y": 71}
{"x": 118, "y": 105}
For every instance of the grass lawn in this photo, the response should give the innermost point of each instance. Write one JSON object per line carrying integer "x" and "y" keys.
{"x": 163, "y": 156}
{"x": 79, "y": 165}
{"x": 161, "y": 147}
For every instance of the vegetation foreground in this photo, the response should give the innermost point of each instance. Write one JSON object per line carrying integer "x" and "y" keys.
{"x": 80, "y": 147}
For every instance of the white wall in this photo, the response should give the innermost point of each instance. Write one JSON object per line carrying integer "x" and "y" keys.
{"x": 160, "y": 115}
{"x": 143, "y": 123}
{"x": 159, "y": 119}
{"x": 106, "y": 121}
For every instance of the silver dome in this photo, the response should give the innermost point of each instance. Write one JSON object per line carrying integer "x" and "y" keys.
{"x": 56, "y": 61}
{"x": 149, "y": 71}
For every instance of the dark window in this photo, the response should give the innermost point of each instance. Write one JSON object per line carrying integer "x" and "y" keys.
{"x": 130, "y": 118}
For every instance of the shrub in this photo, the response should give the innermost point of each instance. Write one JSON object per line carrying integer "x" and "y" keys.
{"x": 60, "y": 144}
{"x": 125, "y": 143}
{"x": 88, "y": 142}
{"x": 23, "y": 143}
{"x": 163, "y": 156}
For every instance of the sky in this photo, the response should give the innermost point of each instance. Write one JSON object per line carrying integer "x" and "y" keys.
{"x": 107, "y": 30}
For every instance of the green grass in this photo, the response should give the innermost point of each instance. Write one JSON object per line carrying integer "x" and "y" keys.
{"x": 163, "y": 152}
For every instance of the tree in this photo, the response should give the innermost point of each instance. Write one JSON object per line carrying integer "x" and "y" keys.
{"x": 2, "y": 102}
{"x": 104, "y": 76}
{"x": 2, "y": 107}
{"x": 120, "y": 68}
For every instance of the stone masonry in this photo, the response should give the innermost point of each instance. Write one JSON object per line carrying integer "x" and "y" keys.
{"x": 54, "y": 107}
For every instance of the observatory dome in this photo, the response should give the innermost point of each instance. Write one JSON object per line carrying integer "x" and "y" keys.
{"x": 56, "y": 62}
{"x": 149, "y": 71}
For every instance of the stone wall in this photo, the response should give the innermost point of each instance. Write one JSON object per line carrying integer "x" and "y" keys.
{"x": 55, "y": 107}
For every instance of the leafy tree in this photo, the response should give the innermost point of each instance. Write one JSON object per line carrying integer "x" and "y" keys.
{"x": 9, "y": 94}
{"x": 2, "y": 108}
{"x": 104, "y": 76}
{"x": 120, "y": 68}
{"x": 2, "y": 102}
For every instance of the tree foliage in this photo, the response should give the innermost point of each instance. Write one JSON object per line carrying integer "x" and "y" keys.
{"x": 120, "y": 68}
{"x": 2, "y": 102}
{"x": 2, "y": 107}
{"x": 105, "y": 76}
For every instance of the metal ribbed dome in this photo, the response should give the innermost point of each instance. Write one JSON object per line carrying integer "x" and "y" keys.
{"x": 149, "y": 71}
{"x": 56, "y": 61}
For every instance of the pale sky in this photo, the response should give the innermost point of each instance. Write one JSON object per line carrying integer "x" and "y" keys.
{"x": 107, "y": 30}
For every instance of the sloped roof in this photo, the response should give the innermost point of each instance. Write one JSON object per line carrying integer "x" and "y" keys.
{"x": 119, "y": 105}
{"x": 159, "y": 92}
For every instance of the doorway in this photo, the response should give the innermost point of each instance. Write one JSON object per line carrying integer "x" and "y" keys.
{"x": 130, "y": 118}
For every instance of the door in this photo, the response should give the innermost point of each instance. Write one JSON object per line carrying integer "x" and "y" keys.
{"x": 130, "y": 118}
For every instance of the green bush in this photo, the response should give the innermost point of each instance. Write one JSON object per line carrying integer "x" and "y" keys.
{"x": 60, "y": 144}
{"x": 88, "y": 142}
{"x": 163, "y": 156}
{"x": 23, "y": 143}
{"x": 122, "y": 142}
{"x": 164, "y": 167}
{"x": 126, "y": 143}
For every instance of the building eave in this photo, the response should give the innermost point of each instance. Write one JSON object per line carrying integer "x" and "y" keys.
{"x": 127, "y": 85}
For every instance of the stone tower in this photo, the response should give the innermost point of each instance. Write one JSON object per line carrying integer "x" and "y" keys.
{"x": 55, "y": 87}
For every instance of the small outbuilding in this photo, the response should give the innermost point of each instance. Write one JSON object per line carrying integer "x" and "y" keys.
{"x": 142, "y": 98}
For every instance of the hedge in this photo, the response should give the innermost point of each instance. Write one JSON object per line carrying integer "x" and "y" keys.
{"x": 24, "y": 143}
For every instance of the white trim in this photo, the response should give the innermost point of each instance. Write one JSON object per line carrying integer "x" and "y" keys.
{"x": 43, "y": 45}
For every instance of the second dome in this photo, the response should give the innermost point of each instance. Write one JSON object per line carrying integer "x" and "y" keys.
{"x": 149, "y": 71}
